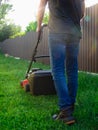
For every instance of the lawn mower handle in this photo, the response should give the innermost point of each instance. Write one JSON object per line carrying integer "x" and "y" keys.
{"x": 35, "y": 49}
{"x": 40, "y": 32}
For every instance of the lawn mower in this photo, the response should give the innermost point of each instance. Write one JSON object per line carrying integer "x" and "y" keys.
{"x": 38, "y": 81}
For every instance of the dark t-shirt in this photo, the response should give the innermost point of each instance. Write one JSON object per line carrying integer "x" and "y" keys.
{"x": 60, "y": 20}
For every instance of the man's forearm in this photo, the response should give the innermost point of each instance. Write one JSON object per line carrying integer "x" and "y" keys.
{"x": 40, "y": 13}
{"x": 40, "y": 16}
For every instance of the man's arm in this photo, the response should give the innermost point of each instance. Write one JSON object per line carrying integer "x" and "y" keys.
{"x": 40, "y": 13}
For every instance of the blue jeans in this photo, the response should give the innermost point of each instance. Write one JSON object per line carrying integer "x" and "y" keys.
{"x": 64, "y": 50}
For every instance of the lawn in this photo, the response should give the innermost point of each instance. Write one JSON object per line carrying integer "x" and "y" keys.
{"x": 22, "y": 111}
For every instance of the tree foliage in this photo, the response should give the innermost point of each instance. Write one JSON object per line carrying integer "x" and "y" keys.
{"x": 46, "y": 18}
{"x": 33, "y": 25}
{"x": 7, "y": 30}
{"x": 4, "y": 10}
{"x": 3, "y": 1}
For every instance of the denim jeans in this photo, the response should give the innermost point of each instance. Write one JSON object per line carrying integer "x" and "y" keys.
{"x": 64, "y": 50}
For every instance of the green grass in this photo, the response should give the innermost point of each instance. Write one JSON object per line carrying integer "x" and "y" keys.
{"x": 22, "y": 111}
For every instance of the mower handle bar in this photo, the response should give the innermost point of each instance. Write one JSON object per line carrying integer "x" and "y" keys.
{"x": 35, "y": 49}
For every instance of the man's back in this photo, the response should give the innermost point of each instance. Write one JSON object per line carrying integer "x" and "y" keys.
{"x": 65, "y": 16}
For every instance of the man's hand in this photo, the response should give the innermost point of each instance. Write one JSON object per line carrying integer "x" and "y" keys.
{"x": 38, "y": 29}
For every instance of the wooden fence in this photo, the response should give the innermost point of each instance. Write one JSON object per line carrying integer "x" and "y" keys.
{"x": 23, "y": 47}
{"x": 88, "y": 56}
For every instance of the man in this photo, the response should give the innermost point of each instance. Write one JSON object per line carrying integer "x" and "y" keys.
{"x": 64, "y": 37}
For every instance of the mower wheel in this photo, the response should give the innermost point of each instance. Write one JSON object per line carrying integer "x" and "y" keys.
{"x": 27, "y": 88}
{"x": 21, "y": 83}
